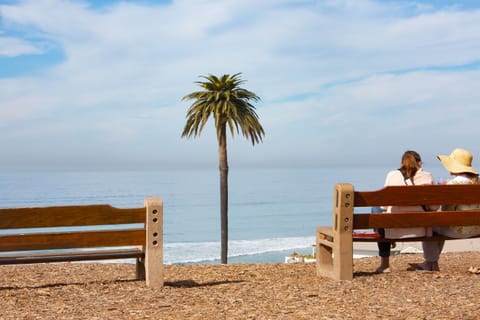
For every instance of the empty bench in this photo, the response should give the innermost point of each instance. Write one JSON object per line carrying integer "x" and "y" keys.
{"x": 334, "y": 244}
{"x": 86, "y": 232}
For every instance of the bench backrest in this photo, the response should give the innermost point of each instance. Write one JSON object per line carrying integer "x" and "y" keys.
{"x": 71, "y": 227}
{"x": 347, "y": 199}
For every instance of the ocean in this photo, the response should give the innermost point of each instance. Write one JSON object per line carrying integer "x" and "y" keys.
{"x": 272, "y": 212}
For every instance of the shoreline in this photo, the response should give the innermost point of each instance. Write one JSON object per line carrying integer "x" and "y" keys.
{"x": 360, "y": 249}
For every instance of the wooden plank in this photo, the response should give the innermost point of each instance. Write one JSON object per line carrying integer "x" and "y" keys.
{"x": 416, "y": 219}
{"x": 69, "y": 216}
{"x": 71, "y": 256}
{"x": 418, "y": 195}
{"x": 67, "y": 240}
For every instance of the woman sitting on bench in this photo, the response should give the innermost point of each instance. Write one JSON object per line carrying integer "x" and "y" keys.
{"x": 410, "y": 173}
{"x": 459, "y": 164}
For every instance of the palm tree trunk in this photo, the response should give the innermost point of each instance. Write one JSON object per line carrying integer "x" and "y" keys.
{"x": 223, "y": 167}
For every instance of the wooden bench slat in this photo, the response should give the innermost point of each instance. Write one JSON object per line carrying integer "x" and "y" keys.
{"x": 71, "y": 256}
{"x": 69, "y": 216}
{"x": 416, "y": 219}
{"x": 408, "y": 196}
{"x": 65, "y": 240}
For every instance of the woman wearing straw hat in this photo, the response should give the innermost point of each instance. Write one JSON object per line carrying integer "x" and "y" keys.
{"x": 459, "y": 164}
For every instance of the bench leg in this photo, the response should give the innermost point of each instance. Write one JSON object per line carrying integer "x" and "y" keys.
{"x": 343, "y": 258}
{"x": 140, "y": 269}
{"x": 324, "y": 252}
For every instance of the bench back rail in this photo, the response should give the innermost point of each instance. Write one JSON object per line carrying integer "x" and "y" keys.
{"x": 418, "y": 195}
{"x": 420, "y": 219}
{"x": 70, "y": 216}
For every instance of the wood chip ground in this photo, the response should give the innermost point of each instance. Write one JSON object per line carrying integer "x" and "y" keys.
{"x": 242, "y": 291}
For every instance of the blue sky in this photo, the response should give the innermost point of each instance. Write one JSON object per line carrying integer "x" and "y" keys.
{"x": 99, "y": 83}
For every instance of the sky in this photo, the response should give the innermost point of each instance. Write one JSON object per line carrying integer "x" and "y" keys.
{"x": 99, "y": 84}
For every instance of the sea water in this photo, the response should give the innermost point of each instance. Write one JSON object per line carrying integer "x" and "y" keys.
{"x": 272, "y": 212}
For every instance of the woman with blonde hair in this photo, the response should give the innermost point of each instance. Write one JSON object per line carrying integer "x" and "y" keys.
{"x": 459, "y": 164}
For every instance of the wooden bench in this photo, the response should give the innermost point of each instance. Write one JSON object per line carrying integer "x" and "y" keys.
{"x": 87, "y": 232}
{"x": 334, "y": 245}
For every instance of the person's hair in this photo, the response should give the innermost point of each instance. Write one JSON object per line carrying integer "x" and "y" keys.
{"x": 409, "y": 165}
{"x": 470, "y": 175}
{"x": 473, "y": 177}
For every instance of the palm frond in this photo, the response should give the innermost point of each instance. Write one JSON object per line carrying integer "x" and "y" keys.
{"x": 229, "y": 105}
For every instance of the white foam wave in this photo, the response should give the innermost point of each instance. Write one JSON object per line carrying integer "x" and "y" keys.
{"x": 210, "y": 251}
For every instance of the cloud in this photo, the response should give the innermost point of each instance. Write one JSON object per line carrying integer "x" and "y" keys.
{"x": 335, "y": 77}
{"x": 11, "y": 47}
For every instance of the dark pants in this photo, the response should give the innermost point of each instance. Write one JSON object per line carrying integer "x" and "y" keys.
{"x": 383, "y": 247}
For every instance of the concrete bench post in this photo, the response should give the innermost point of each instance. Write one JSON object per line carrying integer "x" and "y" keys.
{"x": 335, "y": 245}
{"x": 342, "y": 233}
{"x": 153, "y": 264}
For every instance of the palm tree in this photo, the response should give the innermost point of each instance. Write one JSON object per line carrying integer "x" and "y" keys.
{"x": 229, "y": 104}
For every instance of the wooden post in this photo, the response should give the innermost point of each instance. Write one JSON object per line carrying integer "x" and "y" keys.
{"x": 154, "y": 243}
{"x": 342, "y": 231}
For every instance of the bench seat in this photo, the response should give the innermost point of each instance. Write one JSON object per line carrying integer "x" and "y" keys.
{"x": 29, "y": 258}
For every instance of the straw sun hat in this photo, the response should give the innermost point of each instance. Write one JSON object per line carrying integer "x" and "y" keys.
{"x": 459, "y": 161}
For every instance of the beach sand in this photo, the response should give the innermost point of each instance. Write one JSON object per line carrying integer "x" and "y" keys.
{"x": 243, "y": 291}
